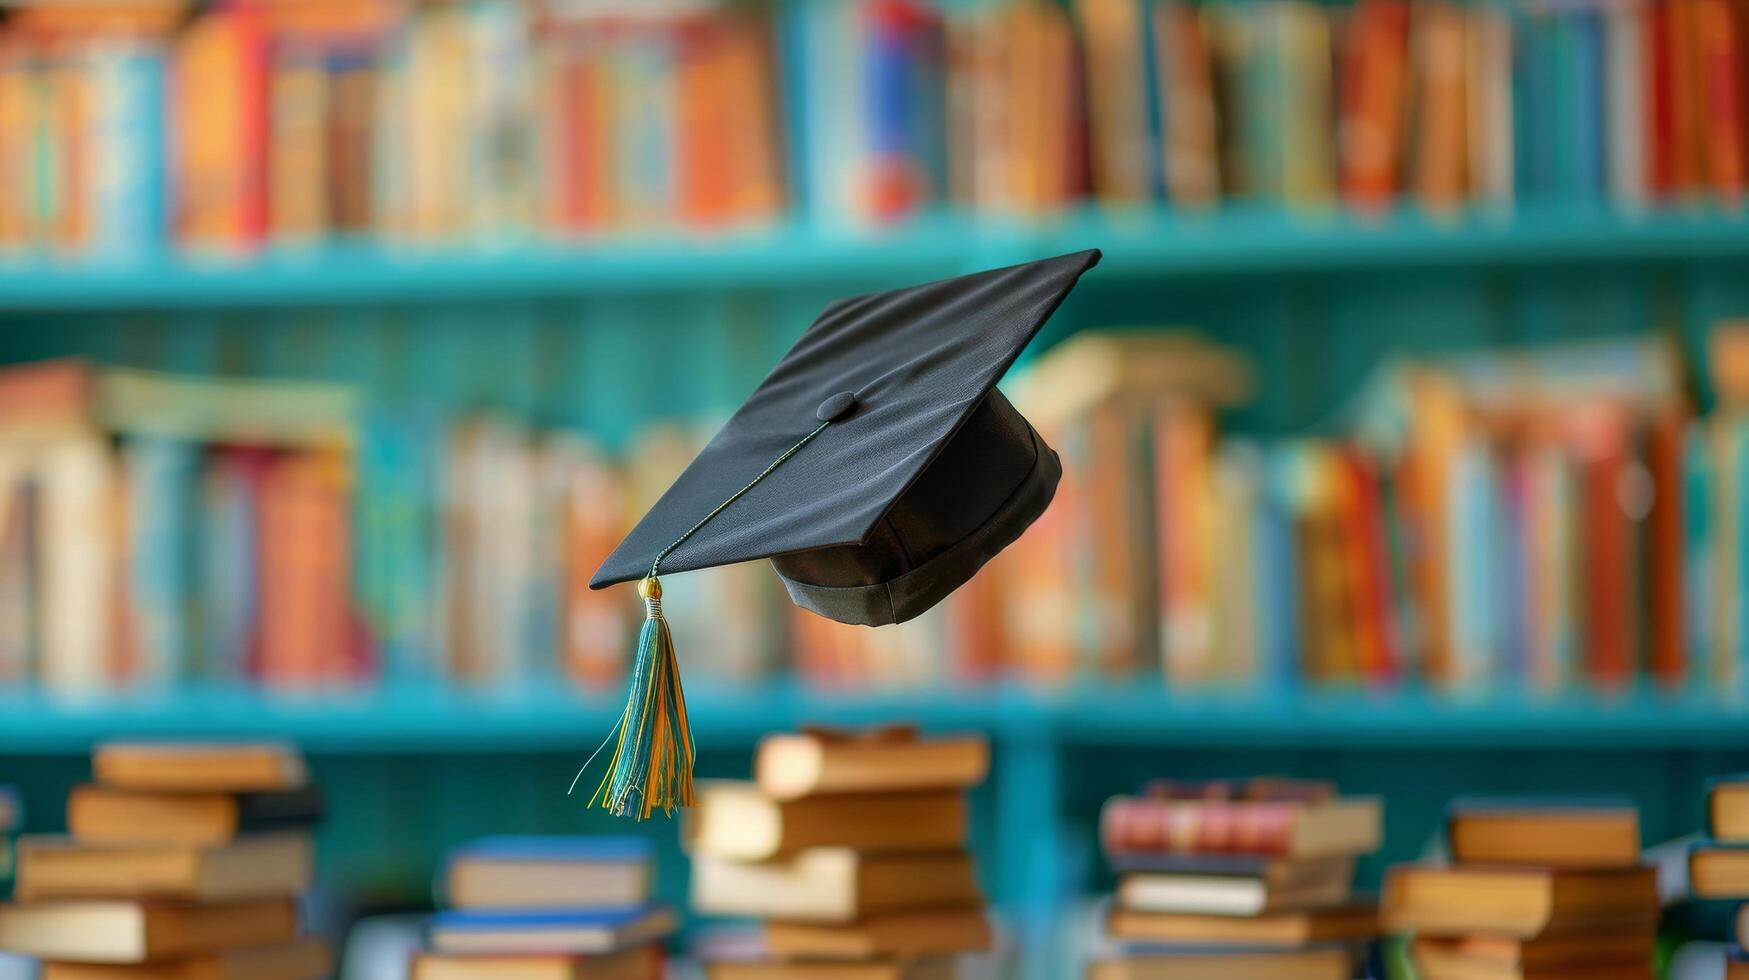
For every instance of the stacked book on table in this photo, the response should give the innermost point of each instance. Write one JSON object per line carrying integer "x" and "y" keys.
{"x": 852, "y": 849}
{"x": 183, "y": 862}
{"x": 1718, "y": 865}
{"x": 1537, "y": 890}
{"x": 546, "y": 908}
{"x": 1244, "y": 880}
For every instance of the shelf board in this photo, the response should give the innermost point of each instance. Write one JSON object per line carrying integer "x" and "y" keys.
{"x": 1145, "y": 244}
{"x": 426, "y": 719}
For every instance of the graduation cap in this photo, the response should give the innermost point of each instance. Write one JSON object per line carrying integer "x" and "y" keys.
{"x": 876, "y": 466}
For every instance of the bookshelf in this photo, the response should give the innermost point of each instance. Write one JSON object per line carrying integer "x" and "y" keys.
{"x": 1139, "y": 246}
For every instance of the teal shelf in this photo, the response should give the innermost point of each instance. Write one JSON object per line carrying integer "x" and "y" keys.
{"x": 405, "y": 720}
{"x": 1147, "y": 243}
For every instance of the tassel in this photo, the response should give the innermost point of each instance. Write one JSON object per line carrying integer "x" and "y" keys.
{"x": 652, "y": 761}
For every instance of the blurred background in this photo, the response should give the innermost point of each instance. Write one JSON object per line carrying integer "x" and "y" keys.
{"x": 343, "y": 339}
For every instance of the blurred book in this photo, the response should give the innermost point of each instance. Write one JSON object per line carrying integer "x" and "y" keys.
{"x": 930, "y": 968}
{"x": 1542, "y": 887}
{"x": 188, "y": 767}
{"x": 736, "y": 821}
{"x": 535, "y": 907}
{"x": 1326, "y": 963}
{"x": 1522, "y": 903}
{"x": 302, "y": 959}
{"x": 548, "y": 872}
{"x": 1553, "y": 833}
{"x": 1241, "y": 877}
{"x": 111, "y": 931}
{"x": 851, "y": 847}
{"x": 547, "y": 930}
{"x": 1288, "y": 829}
{"x": 184, "y": 864}
{"x": 55, "y": 867}
{"x": 1331, "y": 920}
{"x": 104, "y": 814}
{"x": 638, "y": 963}
{"x": 831, "y": 884}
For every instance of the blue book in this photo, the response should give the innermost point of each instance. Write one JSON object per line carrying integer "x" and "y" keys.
{"x": 1534, "y": 109}
{"x": 392, "y": 560}
{"x": 578, "y": 931}
{"x": 128, "y": 153}
{"x": 163, "y": 477}
{"x": 1577, "y": 105}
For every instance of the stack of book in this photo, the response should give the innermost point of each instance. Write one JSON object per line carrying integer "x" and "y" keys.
{"x": 1718, "y": 865}
{"x": 1244, "y": 879}
{"x": 852, "y": 848}
{"x": 1544, "y": 889}
{"x": 547, "y": 908}
{"x": 184, "y": 862}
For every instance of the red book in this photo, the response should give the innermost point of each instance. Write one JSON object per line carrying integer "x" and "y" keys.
{"x": 1375, "y": 608}
{"x": 1277, "y": 828}
{"x": 1605, "y": 575}
{"x": 1660, "y": 104}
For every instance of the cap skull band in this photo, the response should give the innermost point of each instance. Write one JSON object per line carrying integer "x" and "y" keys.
{"x": 919, "y": 473}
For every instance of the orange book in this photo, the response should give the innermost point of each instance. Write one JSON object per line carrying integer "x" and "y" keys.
{"x": 755, "y": 179}
{"x": 1718, "y": 43}
{"x": 703, "y": 138}
{"x": 1442, "y": 149}
{"x": 1114, "y": 33}
{"x": 1040, "y": 608}
{"x": 218, "y": 124}
{"x": 1190, "y": 155}
{"x": 1372, "y": 115}
{"x": 1687, "y": 124}
{"x": 1439, "y": 415}
{"x": 17, "y": 121}
{"x": 1183, "y": 445}
{"x": 71, "y": 85}
{"x": 305, "y": 635}
{"x": 597, "y": 630}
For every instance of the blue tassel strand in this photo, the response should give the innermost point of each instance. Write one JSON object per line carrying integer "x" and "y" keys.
{"x": 652, "y": 760}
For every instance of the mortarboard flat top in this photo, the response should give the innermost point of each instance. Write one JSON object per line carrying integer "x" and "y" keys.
{"x": 900, "y": 374}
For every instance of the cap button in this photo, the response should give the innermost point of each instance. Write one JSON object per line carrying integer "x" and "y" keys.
{"x": 836, "y": 407}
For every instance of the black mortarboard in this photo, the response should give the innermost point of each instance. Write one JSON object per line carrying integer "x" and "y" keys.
{"x": 924, "y": 474}
{"x": 877, "y": 466}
